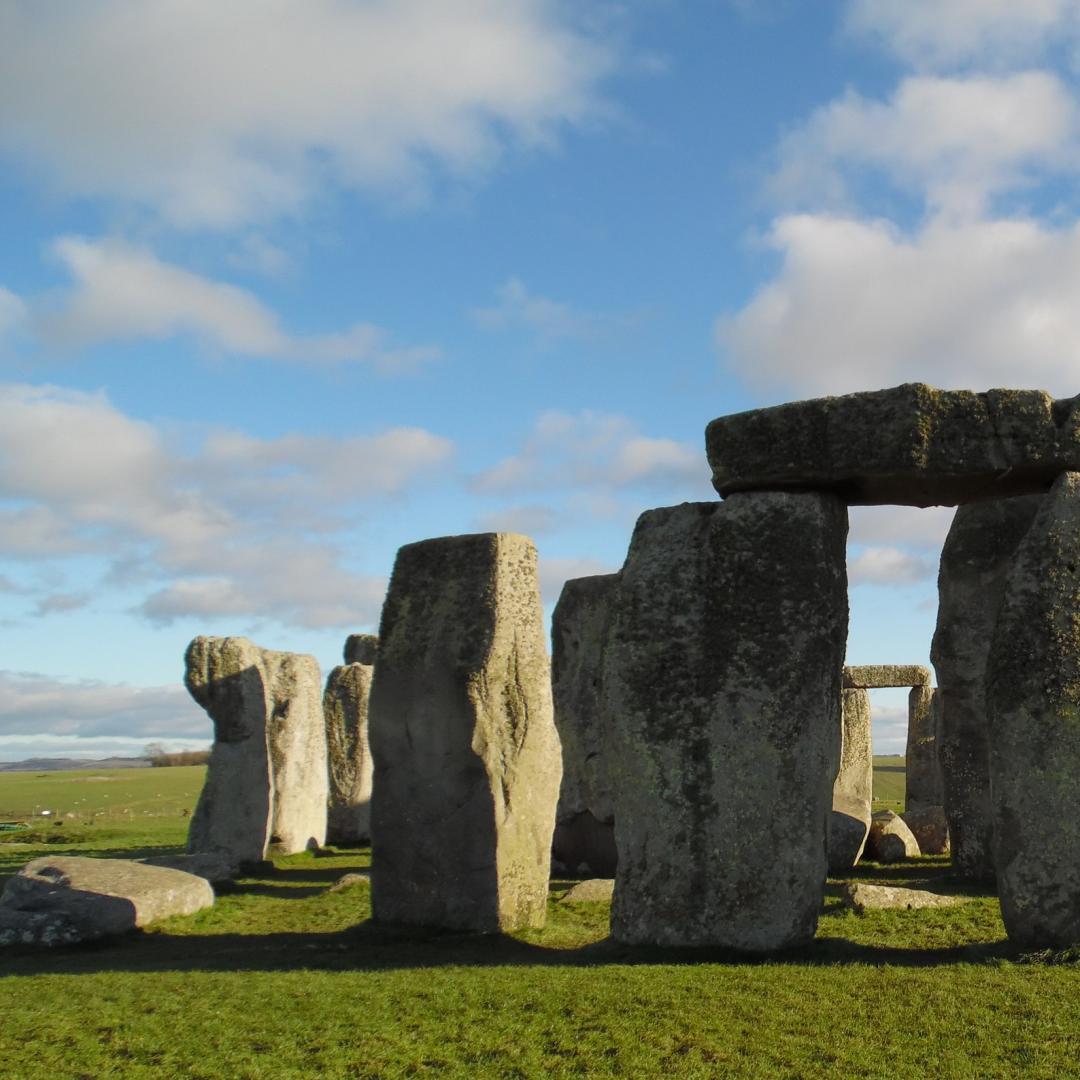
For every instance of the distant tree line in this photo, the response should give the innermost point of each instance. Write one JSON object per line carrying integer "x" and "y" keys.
{"x": 161, "y": 758}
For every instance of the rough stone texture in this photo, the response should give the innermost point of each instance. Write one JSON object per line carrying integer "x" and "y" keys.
{"x": 361, "y": 649}
{"x": 923, "y": 783}
{"x": 971, "y": 582}
{"x": 877, "y": 676}
{"x": 584, "y": 829}
{"x": 266, "y": 784}
{"x": 890, "y": 839}
{"x": 590, "y": 891}
{"x": 911, "y": 445}
{"x": 467, "y": 758}
{"x": 100, "y": 897}
{"x": 930, "y": 828}
{"x": 212, "y": 866}
{"x": 722, "y": 674}
{"x": 862, "y": 897}
{"x": 1033, "y": 698}
{"x": 348, "y": 757}
{"x": 38, "y": 928}
{"x": 853, "y": 788}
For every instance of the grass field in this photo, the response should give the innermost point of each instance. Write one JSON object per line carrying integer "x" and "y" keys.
{"x": 284, "y": 978}
{"x": 889, "y": 781}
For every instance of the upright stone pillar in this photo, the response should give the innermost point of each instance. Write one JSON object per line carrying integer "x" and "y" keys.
{"x": 345, "y": 708}
{"x": 266, "y": 784}
{"x": 971, "y": 582}
{"x": 923, "y": 783}
{"x": 853, "y": 788}
{"x": 1033, "y": 698}
{"x": 584, "y": 823}
{"x": 467, "y": 760}
{"x": 722, "y": 675}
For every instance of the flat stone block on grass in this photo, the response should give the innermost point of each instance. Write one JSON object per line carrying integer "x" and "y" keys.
{"x": 467, "y": 758}
{"x": 722, "y": 674}
{"x": 912, "y": 445}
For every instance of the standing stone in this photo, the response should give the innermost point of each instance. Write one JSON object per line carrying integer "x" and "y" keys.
{"x": 584, "y": 822}
{"x": 361, "y": 649}
{"x": 467, "y": 759}
{"x": 853, "y": 789}
{"x": 722, "y": 675}
{"x": 348, "y": 758}
{"x": 971, "y": 582}
{"x": 1033, "y": 697}
{"x": 923, "y": 783}
{"x": 266, "y": 783}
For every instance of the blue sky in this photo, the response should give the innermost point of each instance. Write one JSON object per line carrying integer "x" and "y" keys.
{"x": 285, "y": 285}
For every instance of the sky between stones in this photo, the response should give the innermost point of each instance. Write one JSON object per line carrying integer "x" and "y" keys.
{"x": 285, "y": 285}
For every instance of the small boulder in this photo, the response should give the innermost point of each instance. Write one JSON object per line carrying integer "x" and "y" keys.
{"x": 890, "y": 840}
{"x": 346, "y": 881}
{"x": 861, "y": 897}
{"x": 930, "y": 827}
{"x": 590, "y": 890}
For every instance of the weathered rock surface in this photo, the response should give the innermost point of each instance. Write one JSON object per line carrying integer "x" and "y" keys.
{"x": 877, "y": 676}
{"x": 1033, "y": 698}
{"x": 584, "y": 829}
{"x": 853, "y": 788}
{"x": 924, "y": 786}
{"x": 862, "y": 897}
{"x": 722, "y": 675}
{"x": 348, "y": 756}
{"x": 590, "y": 891}
{"x": 213, "y": 866}
{"x": 266, "y": 785}
{"x": 890, "y": 839}
{"x": 971, "y": 582}
{"x": 39, "y": 928}
{"x": 361, "y": 649}
{"x": 911, "y": 445}
{"x": 467, "y": 758}
{"x": 930, "y": 828}
{"x": 71, "y": 898}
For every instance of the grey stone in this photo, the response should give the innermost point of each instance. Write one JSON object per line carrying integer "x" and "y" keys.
{"x": 39, "y": 928}
{"x": 877, "y": 676}
{"x": 722, "y": 675}
{"x": 213, "y": 866}
{"x": 467, "y": 758}
{"x": 930, "y": 828}
{"x": 912, "y": 445}
{"x": 584, "y": 822}
{"x": 266, "y": 784}
{"x": 923, "y": 783}
{"x": 590, "y": 891}
{"x": 345, "y": 708}
{"x": 853, "y": 787}
{"x": 971, "y": 582}
{"x": 361, "y": 649}
{"x": 890, "y": 839}
{"x": 1033, "y": 698}
{"x": 862, "y": 897}
{"x": 347, "y": 881}
{"x": 83, "y": 899}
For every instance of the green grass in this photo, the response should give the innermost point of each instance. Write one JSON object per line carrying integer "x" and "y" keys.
{"x": 889, "y": 781}
{"x": 283, "y": 978}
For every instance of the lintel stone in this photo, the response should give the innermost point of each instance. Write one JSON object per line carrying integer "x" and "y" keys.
{"x": 878, "y": 676}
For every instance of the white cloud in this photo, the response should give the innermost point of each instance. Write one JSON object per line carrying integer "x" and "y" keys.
{"x": 58, "y": 603}
{"x": 554, "y": 574}
{"x": 217, "y": 114}
{"x": 921, "y": 528}
{"x": 122, "y": 292}
{"x": 12, "y": 311}
{"x": 858, "y": 304}
{"x": 946, "y": 33}
{"x": 889, "y": 724}
{"x": 889, "y": 566}
{"x": 957, "y": 142}
{"x": 528, "y": 519}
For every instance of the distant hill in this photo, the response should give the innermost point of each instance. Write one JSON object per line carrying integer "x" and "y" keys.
{"x": 63, "y": 763}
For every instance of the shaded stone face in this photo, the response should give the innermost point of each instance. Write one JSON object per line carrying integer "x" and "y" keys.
{"x": 923, "y": 780}
{"x": 911, "y": 445}
{"x": 879, "y": 676}
{"x": 971, "y": 582}
{"x": 467, "y": 759}
{"x": 853, "y": 788}
{"x": 1033, "y": 698}
{"x": 361, "y": 649}
{"x": 266, "y": 783}
{"x": 890, "y": 839}
{"x": 723, "y": 679}
{"x": 348, "y": 756}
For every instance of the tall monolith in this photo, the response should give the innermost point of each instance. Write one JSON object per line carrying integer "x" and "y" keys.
{"x": 722, "y": 674}
{"x": 348, "y": 756}
{"x": 266, "y": 784}
{"x": 923, "y": 782}
{"x": 1033, "y": 699}
{"x": 849, "y": 823}
{"x": 971, "y": 583}
{"x": 467, "y": 759}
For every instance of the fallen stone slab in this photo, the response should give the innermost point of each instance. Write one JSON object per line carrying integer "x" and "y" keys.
{"x": 102, "y": 897}
{"x": 890, "y": 839}
{"x": 912, "y": 445}
{"x": 589, "y": 891}
{"x": 879, "y": 676}
{"x": 861, "y": 897}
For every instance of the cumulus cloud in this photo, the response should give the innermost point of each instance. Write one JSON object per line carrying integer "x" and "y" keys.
{"x": 859, "y": 304}
{"x": 214, "y": 114}
{"x": 924, "y": 529}
{"x": 889, "y": 724}
{"x": 889, "y": 566}
{"x": 529, "y": 519}
{"x": 123, "y": 292}
{"x": 229, "y": 528}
